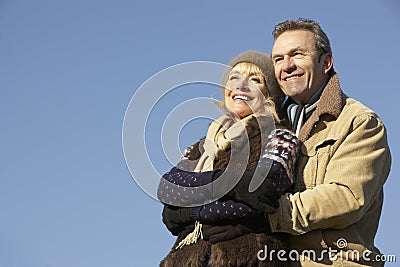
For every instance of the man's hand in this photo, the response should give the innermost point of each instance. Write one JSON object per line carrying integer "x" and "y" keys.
{"x": 264, "y": 200}
{"x": 220, "y": 233}
{"x": 176, "y": 218}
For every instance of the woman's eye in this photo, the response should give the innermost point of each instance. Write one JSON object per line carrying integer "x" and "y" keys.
{"x": 255, "y": 79}
{"x": 233, "y": 77}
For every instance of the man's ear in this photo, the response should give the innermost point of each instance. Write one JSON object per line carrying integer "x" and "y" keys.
{"x": 327, "y": 59}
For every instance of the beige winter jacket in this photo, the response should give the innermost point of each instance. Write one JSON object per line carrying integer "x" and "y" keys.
{"x": 334, "y": 213}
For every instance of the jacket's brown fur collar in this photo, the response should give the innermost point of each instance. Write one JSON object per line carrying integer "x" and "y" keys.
{"x": 331, "y": 102}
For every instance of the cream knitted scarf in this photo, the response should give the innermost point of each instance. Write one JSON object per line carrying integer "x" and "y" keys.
{"x": 221, "y": 133}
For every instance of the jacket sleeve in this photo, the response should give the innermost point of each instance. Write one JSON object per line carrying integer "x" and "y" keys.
{"x": 216, "y": 211}
{"x": 354, "y": 178}
{"x": 221, "y": 211}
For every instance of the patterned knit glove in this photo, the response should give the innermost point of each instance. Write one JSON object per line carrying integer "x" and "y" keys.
{"x": 281, "y": 154}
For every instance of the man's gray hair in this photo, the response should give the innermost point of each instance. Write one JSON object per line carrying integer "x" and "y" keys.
{"x": 322, "y": 41}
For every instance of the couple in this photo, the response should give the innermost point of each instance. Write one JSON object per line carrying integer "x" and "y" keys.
{"x": 330, "y": 196}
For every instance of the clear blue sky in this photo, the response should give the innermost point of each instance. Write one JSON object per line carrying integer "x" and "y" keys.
{"x": 68, "y": 70}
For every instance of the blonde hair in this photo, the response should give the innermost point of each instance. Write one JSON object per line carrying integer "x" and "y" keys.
{"x": 250, "y": 69}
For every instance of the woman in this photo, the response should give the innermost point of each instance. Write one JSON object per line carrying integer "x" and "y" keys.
{"x": 233, "y": 231}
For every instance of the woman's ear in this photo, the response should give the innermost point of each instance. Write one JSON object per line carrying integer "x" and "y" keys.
{"x": 327, "y": 59}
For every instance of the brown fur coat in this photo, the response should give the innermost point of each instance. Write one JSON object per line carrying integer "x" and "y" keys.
{"x": 241, "y": 251}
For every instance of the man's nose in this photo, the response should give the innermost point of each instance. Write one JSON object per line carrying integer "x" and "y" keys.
{"x": 288, "y": 64}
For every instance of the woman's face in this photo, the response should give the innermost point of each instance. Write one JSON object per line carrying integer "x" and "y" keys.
{"x": 244, "y": 92}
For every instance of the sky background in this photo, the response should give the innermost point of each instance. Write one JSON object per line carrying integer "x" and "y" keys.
{"x": 68, "y": 70}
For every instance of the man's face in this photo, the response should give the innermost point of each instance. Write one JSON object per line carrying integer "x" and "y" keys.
{"x": 299, "y": 69}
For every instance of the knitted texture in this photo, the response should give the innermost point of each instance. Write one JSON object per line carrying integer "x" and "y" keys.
{"x": 182, "y": 188}
{"x": 282, "y": 150}
{"x": 224, "y": 211}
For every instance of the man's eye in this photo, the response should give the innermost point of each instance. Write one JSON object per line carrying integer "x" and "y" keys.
{"x": 298, "y": 54}
{"x": 277, "y": 60}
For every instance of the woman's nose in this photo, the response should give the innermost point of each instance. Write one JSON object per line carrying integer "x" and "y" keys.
{"x": 242, "y": 84}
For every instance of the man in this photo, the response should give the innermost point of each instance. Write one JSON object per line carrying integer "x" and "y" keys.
{"x": 344, "y": 160}
{"x": 333, "y": 215}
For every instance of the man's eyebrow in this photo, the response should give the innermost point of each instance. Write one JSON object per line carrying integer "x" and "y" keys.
{"x": 289, "y": 52}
